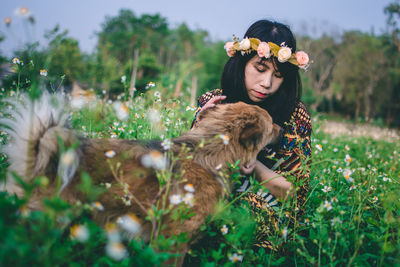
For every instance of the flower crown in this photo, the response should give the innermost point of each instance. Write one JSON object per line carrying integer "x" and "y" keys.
{"x": 264, "y": 49}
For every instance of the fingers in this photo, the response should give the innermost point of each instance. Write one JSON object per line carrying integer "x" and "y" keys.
{"x": 248, "y": 168}
{"x": 217, "y": 99}
{"x": 212, "y": 103}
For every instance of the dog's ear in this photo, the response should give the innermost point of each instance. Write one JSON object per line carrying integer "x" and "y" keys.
{"x": 250, "y": 135}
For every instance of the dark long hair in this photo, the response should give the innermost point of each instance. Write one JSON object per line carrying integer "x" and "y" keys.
{"x": 281, "y": 104}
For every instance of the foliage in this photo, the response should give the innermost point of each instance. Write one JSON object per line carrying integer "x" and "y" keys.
{"x": 352, "y": 212}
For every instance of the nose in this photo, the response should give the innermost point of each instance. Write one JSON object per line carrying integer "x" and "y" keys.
{"x": 266, "y": 80}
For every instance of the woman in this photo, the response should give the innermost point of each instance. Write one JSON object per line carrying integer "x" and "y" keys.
{"x": 263, "y": 70}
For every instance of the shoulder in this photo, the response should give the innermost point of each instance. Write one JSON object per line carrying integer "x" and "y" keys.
{"x": 301, "y": 113}
{"x": 301, "y": 119}
{"x": 300, "y": 122}
{"x": 204, "y": 98}
{"x": 297, "y": 133}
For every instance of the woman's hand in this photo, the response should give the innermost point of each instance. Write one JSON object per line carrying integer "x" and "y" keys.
{"x": 211, "y": 103}
{"x": 248, "y": 168}
{"x": 277, "y": 184}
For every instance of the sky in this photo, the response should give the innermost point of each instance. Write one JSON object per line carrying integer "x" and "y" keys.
{"x": 221, "y": 18}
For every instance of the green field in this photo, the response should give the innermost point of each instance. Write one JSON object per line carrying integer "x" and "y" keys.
{"x": 352, "y": 212}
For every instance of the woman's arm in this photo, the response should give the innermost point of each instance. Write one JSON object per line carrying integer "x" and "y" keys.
{"x": 277, "y": 184}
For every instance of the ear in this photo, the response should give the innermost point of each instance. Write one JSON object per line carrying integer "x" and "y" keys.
{"x": 250, "y": 135}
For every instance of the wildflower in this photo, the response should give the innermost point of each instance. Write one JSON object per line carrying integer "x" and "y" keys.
{"x": 16, "y": 61}
{"x": 348, "y": 159}
{"x": 319, "y": 147}
{"x": 225, "y": 138}
{"x": 218, "y": 167}
{"x": 116, "y": 250}
{"x": 347, "y": 176}
{"x": 334, "y": 199}
{"x": 327, "y": 205}
{"x": 130, "y": 223}
{"x": 326, "y": 189}
{"x": 123, "y": 79}
{"x": 335, "y": 221}
{"x": 385, "y": 179}
{"x": 224, "y": 229}
{"x": 110, "y": 153}
{"x": 157, "y": 94}
{"x": 108, "y": 185}
{"x": 97, "y": 205}
{"x": 284, "y": 233}
{"x": 347, "y": 147}
{"x": 150, "y": 85}
{"x": 307, "y": 221}
{"x": 43, "y": 72}
{"x": 112, "y": 232}
{"x": 79, "y": 233}
{"x": 235, "y": 257}
{"x": 373, "y": 187}
{"x": 175, "y": 199}
{"x": 189, "y": 188}
{"x": 374, "y": 199}
{"x": 335, "y": 150}
{"x": 166, "y": 144}
{"x": 25, "y": 212}
{"x": 188, "y": 199}
{"x": 154, "y": 159}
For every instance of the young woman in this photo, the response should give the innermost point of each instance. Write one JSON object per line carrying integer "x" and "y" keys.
{"x": 263, "y": 70}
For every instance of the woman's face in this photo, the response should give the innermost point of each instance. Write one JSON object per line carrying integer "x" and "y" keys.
{"x": 261, "y": 79}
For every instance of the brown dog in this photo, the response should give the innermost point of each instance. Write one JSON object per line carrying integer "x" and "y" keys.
{"x": 34, "y": 150}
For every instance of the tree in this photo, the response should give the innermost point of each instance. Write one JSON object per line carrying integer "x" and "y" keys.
{"x": 360, "y": 72}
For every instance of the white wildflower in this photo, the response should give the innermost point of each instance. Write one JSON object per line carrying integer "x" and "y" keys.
{"x": 79, "y": 233}
{"x": 110, "y": 153}
{"x": 116, "y": 250}
{"x": 224, "y": 229}
{"x": 130, "y": 223}
{"x": 236, "y": 257}
{"x": 175, "y": 199}
{"x": 189, "y": 188}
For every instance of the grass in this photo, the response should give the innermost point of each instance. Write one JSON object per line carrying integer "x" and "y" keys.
{"x": 352, "y": 211}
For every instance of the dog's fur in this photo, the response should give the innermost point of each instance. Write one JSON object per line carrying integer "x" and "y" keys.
{"x": 33, "y": 150}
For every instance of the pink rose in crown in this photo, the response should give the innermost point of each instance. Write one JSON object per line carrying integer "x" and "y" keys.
{"x": 302, "y": 59}
{"x": 263, "y": 50}
{"x": 228, "y": 48}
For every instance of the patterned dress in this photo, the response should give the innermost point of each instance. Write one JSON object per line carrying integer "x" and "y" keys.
{"x": 291, "y": 159}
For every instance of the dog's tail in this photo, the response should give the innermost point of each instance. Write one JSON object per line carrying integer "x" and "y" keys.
{"x": 35, "y": 128}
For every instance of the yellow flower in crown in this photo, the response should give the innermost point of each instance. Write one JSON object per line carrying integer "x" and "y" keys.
{"x": 267, "y": 49}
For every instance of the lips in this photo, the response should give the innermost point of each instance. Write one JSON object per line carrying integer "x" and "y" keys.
{"x": 260, "y": 95}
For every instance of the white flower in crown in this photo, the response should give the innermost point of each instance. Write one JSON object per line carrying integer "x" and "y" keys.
{"x": 284, "y": 53}
{"x": 245, "y": 44}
